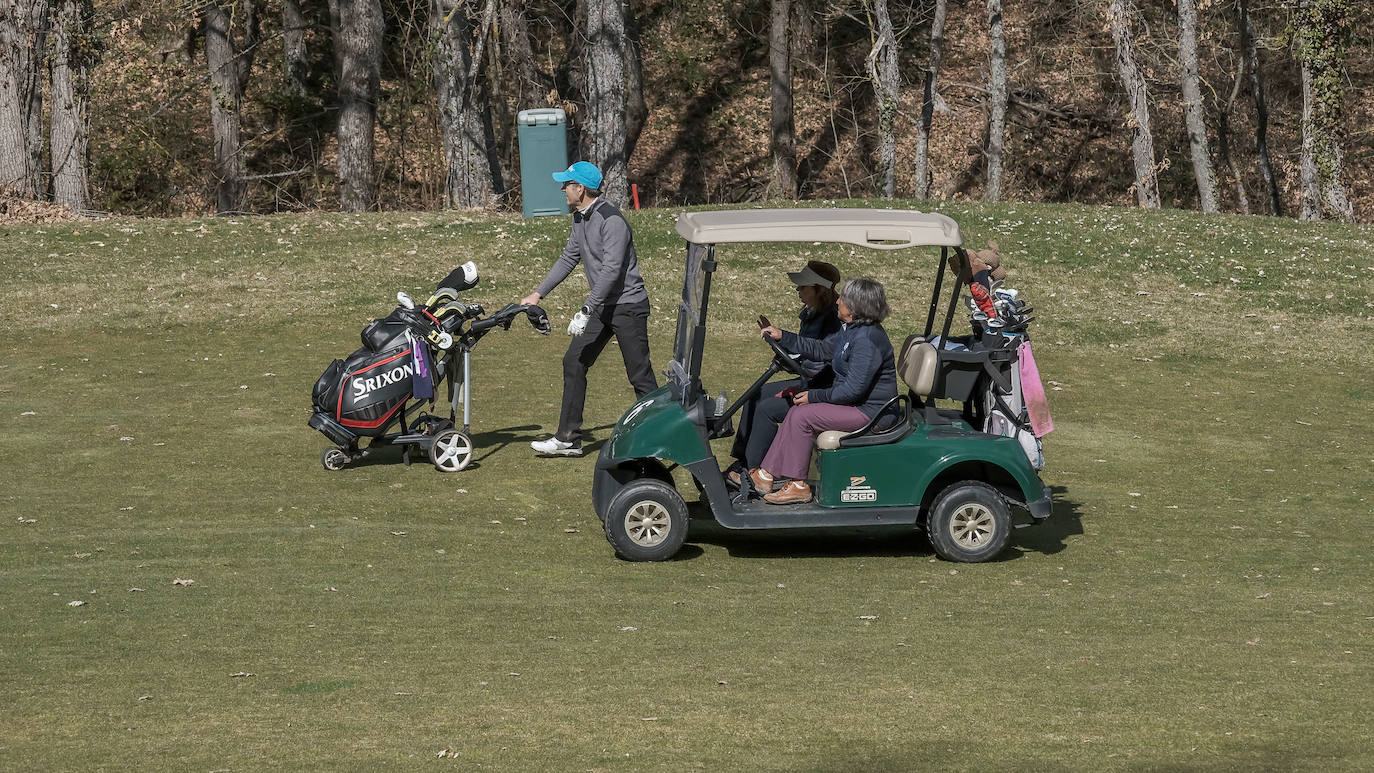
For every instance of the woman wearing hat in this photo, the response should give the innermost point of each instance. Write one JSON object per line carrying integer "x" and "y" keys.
{"x": 761, "y": 414}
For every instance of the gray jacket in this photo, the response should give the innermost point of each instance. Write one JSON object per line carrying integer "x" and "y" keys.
{"x": 603, "y": 242}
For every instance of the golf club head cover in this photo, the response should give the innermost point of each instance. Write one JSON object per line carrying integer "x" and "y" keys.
{"x": 982, "y": 298}
{"x": 788, "y": 393}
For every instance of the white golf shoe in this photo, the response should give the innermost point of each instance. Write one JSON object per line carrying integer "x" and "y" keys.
{"x": 555, "y": 447}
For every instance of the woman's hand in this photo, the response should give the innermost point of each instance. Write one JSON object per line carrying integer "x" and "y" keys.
{"x": 771, "y": 332}
{"x": 800, "y": 399}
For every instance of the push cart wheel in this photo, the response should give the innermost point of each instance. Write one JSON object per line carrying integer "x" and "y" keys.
{"x": 646, "y": 521}
{"x": 451, "y": 451}
{"x": 969, "y": 523}
{"x": 334, "y": 459}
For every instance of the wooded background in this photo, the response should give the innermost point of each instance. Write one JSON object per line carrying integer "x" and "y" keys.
{"x": 154, "y": 107}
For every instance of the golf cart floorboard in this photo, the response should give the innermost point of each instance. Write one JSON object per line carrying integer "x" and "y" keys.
{"x": 758, "y": 514}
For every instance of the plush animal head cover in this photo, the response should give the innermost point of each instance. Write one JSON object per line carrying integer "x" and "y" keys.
{"x": 989, "y": 259}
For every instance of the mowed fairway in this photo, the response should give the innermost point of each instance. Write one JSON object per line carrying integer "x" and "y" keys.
{"x": 1200, "y": 599}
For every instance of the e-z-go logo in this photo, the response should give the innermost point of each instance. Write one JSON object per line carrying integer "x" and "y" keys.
{"x": 857, "y": 491}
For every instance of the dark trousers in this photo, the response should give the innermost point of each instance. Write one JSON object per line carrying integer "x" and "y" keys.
{"x": 759, "y": 418}
{"x": 629, "y": 325}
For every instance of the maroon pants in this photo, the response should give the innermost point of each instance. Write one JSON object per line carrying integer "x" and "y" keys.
{"x": 790, "y": 454}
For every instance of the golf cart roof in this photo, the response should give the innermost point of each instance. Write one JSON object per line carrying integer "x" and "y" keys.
{"x": 881, "y": 229}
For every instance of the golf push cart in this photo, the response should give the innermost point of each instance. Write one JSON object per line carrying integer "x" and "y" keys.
{"x": 403, "y": 360}
{"x": 954, "y": 472}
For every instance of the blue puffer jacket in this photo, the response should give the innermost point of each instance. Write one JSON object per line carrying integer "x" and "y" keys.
{"x": 864, "y": 365}
{"x": 819, "y": 325}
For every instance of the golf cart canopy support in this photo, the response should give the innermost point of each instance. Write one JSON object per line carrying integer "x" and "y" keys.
{"x": 882, "y": 229}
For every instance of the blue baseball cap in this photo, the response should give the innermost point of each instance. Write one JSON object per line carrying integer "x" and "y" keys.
{"x": 582, "y": 173}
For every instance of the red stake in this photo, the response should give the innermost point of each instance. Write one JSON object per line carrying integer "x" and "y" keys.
{"x": 634, "y": 189}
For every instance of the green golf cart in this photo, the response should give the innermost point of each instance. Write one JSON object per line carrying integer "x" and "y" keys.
{"x": 933, "y": 468}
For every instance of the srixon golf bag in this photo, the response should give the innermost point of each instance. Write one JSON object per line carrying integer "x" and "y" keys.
{"x": 364, "y": 391}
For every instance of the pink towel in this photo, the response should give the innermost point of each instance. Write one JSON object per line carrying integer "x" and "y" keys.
{"x": 1033, "y": 392}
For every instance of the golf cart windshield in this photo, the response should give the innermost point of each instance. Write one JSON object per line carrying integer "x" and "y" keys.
{"x": 879, "y": 229}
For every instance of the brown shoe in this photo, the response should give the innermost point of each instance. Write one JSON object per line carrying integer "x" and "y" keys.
{"x": 763, "y": 482}
{"x": 733, "y": 477}
{"x": 792, "y": 492}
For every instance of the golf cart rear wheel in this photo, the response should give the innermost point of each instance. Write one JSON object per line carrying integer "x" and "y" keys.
{"x": 334, "y": 459}
{"x": 969, "y": 523}
{"x": 646, "y": 521}
{"x": 451, "y": 451}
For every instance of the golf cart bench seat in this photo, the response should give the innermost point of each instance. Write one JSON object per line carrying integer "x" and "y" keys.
{"x": 917, "y": 365}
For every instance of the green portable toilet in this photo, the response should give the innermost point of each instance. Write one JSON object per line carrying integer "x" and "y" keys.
{"x": 543, "y": 134}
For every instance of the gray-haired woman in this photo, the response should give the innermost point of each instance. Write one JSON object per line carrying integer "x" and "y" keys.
{"x": 865, "y": 379}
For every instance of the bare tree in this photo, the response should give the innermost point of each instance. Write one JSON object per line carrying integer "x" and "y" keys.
{"x": 1192, "y": 105}
{"x": 928, "y": 98}
{"x": 997, "y": 89}
{"x": 887, "y": 90}
{"x": 605, "y": 61}
{"x": 73, "y": 55}
{"x": 1142, "y": 140}
{"x": 1251, "y": 53}
{"x": 1322, "y": 41}
{"x": 22, "y": 40}
{"x": 231, "y": 35}
{"x": 1224, "y": 139}
{"x": 357, "y": 52}
{"x": 781, "y": 128}
{"x": 473, "y": 180}
{"x": 293, "y": 28}
{"x": 636, "y": 107}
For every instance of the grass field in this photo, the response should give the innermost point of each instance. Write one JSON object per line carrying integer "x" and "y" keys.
{"x": 1200, "y": 599}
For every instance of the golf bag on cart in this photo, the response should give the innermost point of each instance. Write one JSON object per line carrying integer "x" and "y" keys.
{"x": 404, "y": 359}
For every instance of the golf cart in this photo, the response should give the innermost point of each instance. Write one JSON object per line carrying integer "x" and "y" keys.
{"x": 936, "y": 468}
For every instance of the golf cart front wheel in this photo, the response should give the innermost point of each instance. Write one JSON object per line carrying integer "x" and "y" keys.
{"x": 969, "y": 523}
{"x": 451, "y": 451}
{"x": 334, "y": 459}
{"x": 646, "y": 521}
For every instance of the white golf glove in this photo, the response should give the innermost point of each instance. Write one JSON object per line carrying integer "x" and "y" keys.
{"x": 579, "y": 322}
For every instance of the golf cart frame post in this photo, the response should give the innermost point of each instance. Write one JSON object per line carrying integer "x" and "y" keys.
{"x": 672, "y": 426}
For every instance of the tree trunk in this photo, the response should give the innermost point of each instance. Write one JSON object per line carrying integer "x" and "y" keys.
{"x": 357, "y": 51}
{"x": 937, "y": 41}
{"x": 1224, "y": 140}
{"x": 515, "y": 34}
{"x": 781, "y": 128}
{"x": 636, "y": 108}
{"x": 464, "y": 113}
{"x": 1142, "y": 141}
{"x": 72, "y": 59}
{"x": 22, "y": 41}
{"x": 605, "y": 139}
{"x": 1322, "y": 43}
{"x": 230, "y": 38}
{"x": 997, "y": 87}
{"x": 294, "y": 25}
{"x": 1251, "y": 53}
{"x": 887, "y": 85}
{"x": 1193, "y": 116}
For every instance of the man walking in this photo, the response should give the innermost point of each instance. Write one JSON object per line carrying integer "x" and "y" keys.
{"x": 618, "y": 304}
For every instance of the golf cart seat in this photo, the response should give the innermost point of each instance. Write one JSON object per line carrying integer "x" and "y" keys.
{"x": 917, "y": 365}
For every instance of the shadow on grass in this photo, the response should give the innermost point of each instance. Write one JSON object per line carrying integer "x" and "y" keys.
{"x": 1047, "y": 538}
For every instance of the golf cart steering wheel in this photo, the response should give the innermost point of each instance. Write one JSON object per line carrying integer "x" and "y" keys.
{"x": 786, "y": 361}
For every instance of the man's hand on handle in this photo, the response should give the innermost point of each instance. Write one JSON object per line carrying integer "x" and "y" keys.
{"x": 531, "y": 299}
{"x": 771, "y": 332}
